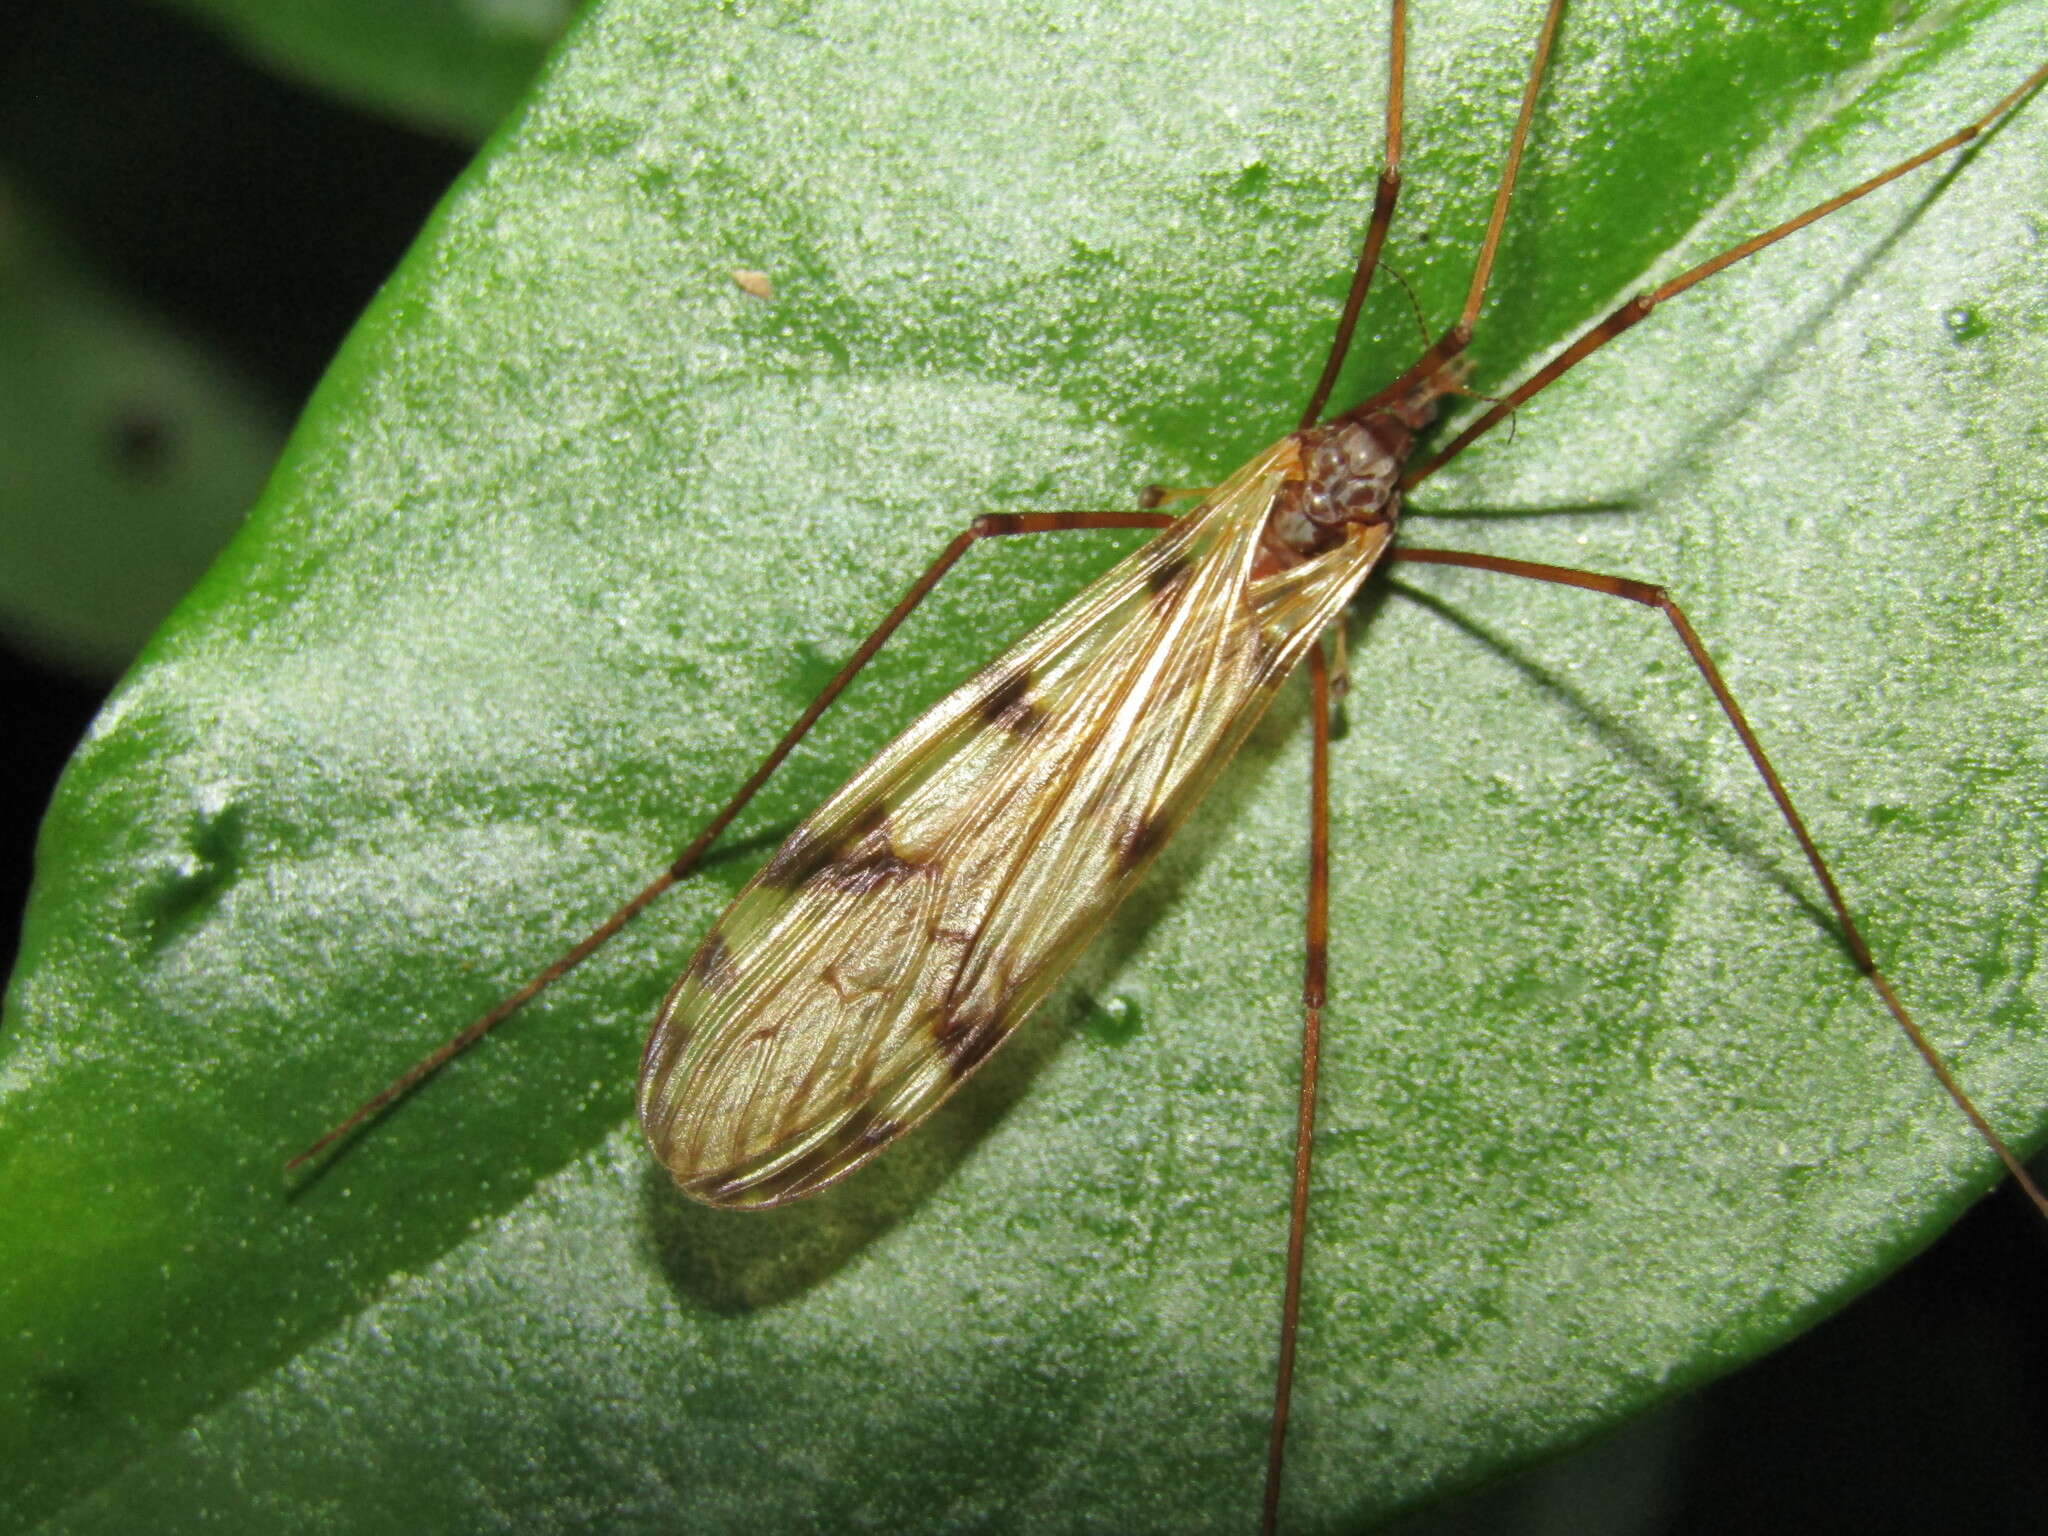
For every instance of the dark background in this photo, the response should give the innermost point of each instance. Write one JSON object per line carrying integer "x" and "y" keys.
{"x": 260, "y": 217}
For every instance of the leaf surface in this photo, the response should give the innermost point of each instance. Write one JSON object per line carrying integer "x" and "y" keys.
{"x": 575, "y": 526}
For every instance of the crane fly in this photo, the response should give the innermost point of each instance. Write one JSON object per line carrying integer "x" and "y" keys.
{"x": 906, "y": 928}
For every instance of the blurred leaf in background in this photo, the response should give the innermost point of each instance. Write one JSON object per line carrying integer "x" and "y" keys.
{"x": 128, "y": 453}
{"x": 455, "y": 66}
{"x": 135, "y": 426}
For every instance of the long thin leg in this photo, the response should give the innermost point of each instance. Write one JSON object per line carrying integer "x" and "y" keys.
{"x": 1314, "y": 980}
{"x": 1459, "y": 336}
{"x": 1656, "y": 597}
{"x": 1376, "y": 230}
{"x": 1482, "y": 269}
{"x": 1313, "y": 992}
{"x": 1639, "y": 307}
{"x": 991, "y": 526}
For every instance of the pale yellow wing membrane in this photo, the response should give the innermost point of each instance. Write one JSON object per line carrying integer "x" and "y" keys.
{"x": 907, "y": 927}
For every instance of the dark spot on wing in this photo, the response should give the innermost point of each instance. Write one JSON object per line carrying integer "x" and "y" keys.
{"x": 1010, "y": 690}
{"x": 856, "y": 877}
{"x": 860, "y": 858}
{"x": 711, "y": 967}
{"x": 965, "y": 1039}
{"x": 866, "y": 862}
{"x": 1009, "y": 704}
{"x": 1167, "y": 576}
{"x": 872, "y": 818}
{"x": 1138, "y": 839}
{"x": 795, "y": 861}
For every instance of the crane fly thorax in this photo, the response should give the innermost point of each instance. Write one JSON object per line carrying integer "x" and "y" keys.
{"x": 1349, "y": 475}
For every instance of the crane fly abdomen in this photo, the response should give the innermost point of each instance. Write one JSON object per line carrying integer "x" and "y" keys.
{"x": 905, "y": 929}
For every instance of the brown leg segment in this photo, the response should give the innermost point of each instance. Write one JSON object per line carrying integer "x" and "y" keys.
{"x": 1314, "y": 982}
{"x": 1482, "y": 269}
{"x": 1314, "y": 990}
{"x": 1852, "y": 937}
{"x": 1639, "y": 307}
{"x": 1375, "y": 231}
{"x": 992, "y": 526}
{"x": 1159, "y": 495}
{"x": 1455, "y": 340}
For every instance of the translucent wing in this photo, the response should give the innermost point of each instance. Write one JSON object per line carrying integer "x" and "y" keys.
{"x": 907, "y": 927}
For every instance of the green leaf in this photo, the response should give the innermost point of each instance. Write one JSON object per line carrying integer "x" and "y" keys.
{"x": 454, "y": 65}
{"x": 575, "y": 526}
{"x": 128, "y": 454}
